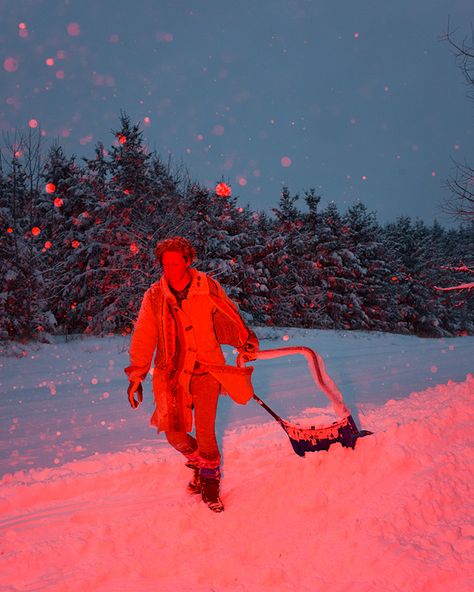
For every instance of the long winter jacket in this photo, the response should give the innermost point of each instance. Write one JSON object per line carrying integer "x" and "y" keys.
{"x": 181, "y": 337}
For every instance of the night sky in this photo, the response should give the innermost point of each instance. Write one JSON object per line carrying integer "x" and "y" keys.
{"x": 358, "y": 99}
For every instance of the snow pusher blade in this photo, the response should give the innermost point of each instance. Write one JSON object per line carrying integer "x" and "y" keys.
{"x": 312, "y": 439}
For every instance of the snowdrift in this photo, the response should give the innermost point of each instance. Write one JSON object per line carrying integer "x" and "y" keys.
{"x": 395, "y": 514}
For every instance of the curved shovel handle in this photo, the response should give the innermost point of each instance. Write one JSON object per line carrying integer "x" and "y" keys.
{"x": 316, "y": 367}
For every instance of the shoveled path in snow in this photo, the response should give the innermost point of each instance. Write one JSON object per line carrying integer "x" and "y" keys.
{"x": 395, "y": 514}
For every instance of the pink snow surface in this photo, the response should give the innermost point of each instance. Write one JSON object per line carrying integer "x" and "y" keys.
{"x": 395, "y": 514}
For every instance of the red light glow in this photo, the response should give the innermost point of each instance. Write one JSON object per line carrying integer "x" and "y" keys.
{"x": 9, "y": 230}
{"x": 58, "y": 202}
{"x": 48, "y": 244}
{"x": 134, "y": 248}
{"x": 50, "y": 188}
{"x": 223, "y": 190}
{"x": 35, "y": 231}
{"x": 22, "y": 26}
{"x": 218, "y": 130}
{"x": 11, "y": 64}
{"x": 285, "y": 161}
{"x": 75, "y": 244}
{"x": 73, "y": 29}
{"x": 49, "y": 61}
{"x": 242, "y": 181}
{"x": 33, "y": 123}
{"x": 122, "y": 139}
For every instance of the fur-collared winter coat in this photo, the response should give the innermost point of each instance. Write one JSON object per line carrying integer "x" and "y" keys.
{"x": 181, "y": 337}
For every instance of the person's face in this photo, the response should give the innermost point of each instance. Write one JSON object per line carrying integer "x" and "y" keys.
{"x": 175, "y": 266}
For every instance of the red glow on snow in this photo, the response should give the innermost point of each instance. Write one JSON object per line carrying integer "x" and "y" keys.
{"x": 58, "y": 202}
{"x": 48, "y": 244}
{"x": 75, "y": 243}
{"x": 35, "y": 230}
{"x": 60, "y": 74}
{"x": 285, "y": 161}
{"x": 242, "y": 181}
{"x": 10, "y": 64}
{"x": 73, "y": 29}
{"x": 134, "y": 248}
{"x": 49, "y": 61}
{"x": 33, "y": 123}
{"x": 223, "y": 190}
{"x": 50, "y": 188}
{"x": 9, "y": 230}
{"x": 122, "y": 139}
{"x": 218, "y": 130}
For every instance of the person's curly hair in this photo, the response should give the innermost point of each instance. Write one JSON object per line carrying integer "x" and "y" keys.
{"x": 177, "y": 244}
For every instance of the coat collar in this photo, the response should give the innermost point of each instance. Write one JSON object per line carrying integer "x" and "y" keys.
{"x": 198, "y": 285}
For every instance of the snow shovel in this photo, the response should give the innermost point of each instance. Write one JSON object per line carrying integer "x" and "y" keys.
{"x": 314, "y": 438}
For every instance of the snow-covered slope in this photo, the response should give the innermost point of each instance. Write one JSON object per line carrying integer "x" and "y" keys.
{"x": 394, "y": 514}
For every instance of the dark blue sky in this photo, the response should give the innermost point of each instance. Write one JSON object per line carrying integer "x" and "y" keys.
{"x": 362, "y": 98}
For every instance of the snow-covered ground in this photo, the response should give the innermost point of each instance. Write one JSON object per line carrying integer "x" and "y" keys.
{"x": 91, "y": 499}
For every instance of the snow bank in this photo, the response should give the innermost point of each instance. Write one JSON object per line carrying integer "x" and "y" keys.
{"x": 395, "y": 514}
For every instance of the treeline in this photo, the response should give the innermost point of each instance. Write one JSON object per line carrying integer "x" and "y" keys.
{"x": 77, "y": 239}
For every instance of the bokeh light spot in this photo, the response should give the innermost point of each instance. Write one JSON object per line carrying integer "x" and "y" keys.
{"x": 33, "y": 123}
{"x": 48, "y": 244}
{"x": 50, "y": 187}
{"x": 73, "y": 29}
{"x": 285, "y": 161}
{"x": 134, "y": 248}
{"x": 58, "y": 202}
{"x": 11, "y": 64}
{"x": 242, "y": 181}
{"x": 223, "y": 190}
{"x": 218, "y": 130}
{"x": 49, "y": 61}
{"x": 35, "y": 230}
{"x": 75, "y": 243}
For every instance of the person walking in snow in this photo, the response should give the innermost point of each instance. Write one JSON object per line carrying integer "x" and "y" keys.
{"x": 184, "y": 318}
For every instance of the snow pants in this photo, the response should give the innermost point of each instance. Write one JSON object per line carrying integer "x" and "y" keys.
{"x": 201, "y": 450}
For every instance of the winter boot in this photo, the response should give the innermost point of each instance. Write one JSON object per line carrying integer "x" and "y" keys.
{"x": 210, "y": 481}
{"x": 194, "y": 486}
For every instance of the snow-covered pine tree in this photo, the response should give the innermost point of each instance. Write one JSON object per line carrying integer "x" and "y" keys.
{"x": 24, "y": 312}
{"x": 286, "y": 260}
{"x": 128, "y": 219}
{"x": 372, "y": 286}
{"x": 338, "y": 271}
